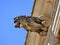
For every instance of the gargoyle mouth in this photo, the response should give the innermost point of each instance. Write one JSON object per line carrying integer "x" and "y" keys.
{"x": 17, "y": 23}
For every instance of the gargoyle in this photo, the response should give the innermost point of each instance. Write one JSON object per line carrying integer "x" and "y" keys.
{"x": 33, "y": 24}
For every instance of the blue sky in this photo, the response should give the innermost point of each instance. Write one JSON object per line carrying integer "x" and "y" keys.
{"x": 9, "y": 35}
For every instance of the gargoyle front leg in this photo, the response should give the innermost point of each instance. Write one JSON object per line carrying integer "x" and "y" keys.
{"x": 45, "y": 23}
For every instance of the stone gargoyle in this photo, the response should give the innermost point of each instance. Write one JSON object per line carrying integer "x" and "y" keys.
{"x": 33, "y": 24}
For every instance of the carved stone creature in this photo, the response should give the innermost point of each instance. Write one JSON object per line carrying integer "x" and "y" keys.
{"x": 34, "y": 24}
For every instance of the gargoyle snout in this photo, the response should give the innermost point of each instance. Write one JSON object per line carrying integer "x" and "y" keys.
{"x": 17, "y": 22}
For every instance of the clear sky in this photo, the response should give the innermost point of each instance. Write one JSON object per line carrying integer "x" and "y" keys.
{"x": 9, "y": 35}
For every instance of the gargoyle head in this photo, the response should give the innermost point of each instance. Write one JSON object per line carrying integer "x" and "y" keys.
{"x": 18, "y": 20}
